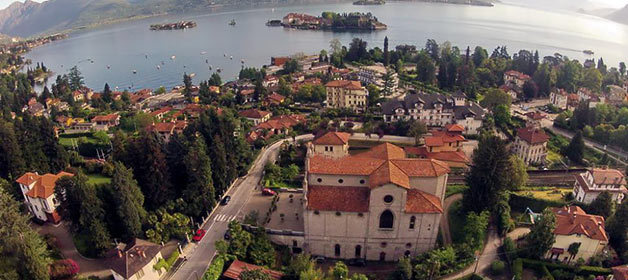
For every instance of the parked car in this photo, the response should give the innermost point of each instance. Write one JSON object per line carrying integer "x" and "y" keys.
{"x": 227, "y": 235}
{"x": 267, "y": 191}
{"x": 357, "y": 262}
{"x": 319, "y": 259}
{"x": 200, "y": 233}
{"x": 225, "y": 200}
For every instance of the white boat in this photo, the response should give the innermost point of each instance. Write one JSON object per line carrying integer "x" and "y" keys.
{"x": 203, "y": 53}
{"x": 192, "y": 75}
{"x": 134, "y": 71}
{"x": 231, "y": 57}
{"x": 173, "y": 57}
{"x": 108, "y": 66}
{"x": 158, "y": 67}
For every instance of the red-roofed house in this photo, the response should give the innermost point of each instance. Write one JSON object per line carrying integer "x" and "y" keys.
{"x": 38, "y": 191}
{"x": 531, "y": 145}
{"x": 255, "y": 115}
{"x": 444, "y": 141}
{"x": 597, "y": 180}
{"x": 346, "y": 94}
{"x": 333, "y": 144}
{"x": 573, "y": 225}
{"x": 515, "y": 78}
{"x": 375, "y": 205}
{"x": 559, "y": 98}
{"x": 455, "y": 159}
{"x": 237, "y": 267}
{"x": 274, "y": 99}
{"x": 108, "y": 120}
{"x": 534, "y": 119}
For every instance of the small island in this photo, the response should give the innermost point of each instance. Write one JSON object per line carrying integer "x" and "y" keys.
{"x": 369, "y": 2}
{"x": 333, "y": 21}
{"x": 173, "y": 26}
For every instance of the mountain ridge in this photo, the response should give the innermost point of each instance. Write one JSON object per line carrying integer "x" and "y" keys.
{"x": 620, "y": 15}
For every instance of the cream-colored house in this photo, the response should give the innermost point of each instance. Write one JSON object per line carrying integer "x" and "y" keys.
{"x": 597, "y": 180}
{"x": 531, "y": 145}
{"x": 135, "y": 260}
{"x": 256, "y": 116}
{"x": 515, "y": 78}
{"x": 39, "y": 194}
{"x": 333, "y": 144}
{"x": 558, "y": 98}
{"x": 346, "y": 94}
{"x": 574, "y": 226}
{"x": 376, "y": 205}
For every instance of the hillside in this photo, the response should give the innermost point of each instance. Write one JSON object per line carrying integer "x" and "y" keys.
{"x": 620, "y": 16}
{"x": 32, "y": 18}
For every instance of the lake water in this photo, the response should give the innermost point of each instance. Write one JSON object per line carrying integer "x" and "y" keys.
{"x": 131, "y": 46}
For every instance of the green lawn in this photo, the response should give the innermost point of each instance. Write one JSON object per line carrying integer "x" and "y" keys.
{"x": 97, "y": 179}
{"x": 456, "y": 222}
{"x": 554, "y": 194}
{"x": 66, "y": 139}
{"x": 455, "y": 189}
{"x": 81, "y": 243}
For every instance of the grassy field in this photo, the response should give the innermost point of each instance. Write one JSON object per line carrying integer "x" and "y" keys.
{"x": 66, "y": 139}
{"x": 555, "y": 194}
{"x": 97, "y": 179}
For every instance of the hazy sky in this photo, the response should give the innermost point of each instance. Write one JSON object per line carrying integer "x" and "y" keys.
{"x": 606, "y": 3}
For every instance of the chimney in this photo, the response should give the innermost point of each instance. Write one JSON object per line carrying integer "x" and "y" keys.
{"x": 119, "y": 253}
{"x": 143, "y": 254}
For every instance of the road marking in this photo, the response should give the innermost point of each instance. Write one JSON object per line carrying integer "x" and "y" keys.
{"x": 225, "y": 218}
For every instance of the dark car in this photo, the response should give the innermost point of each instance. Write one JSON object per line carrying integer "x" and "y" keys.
{"x": 200, "y": 233}
{"x": 357, "y": 262}
{"x": 225, "y": 200}
{"x": 227, "y": 235}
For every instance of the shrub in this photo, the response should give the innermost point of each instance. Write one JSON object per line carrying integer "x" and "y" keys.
{"x": 498, "y": 267}
{"x": 517, "y": 269}
{"x": 520, "y": 202}
{"x": 64, "y": 269}
{"x": 510, "y": 249}
{"x": 215, "y": 269}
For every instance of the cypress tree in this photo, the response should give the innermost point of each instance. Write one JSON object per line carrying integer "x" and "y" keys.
{"x": 386, "y": 54}
{"x": 128, "y": 201}
{"x": 151, "y": 170}
{"x": 220, "y": 166}
{"x": 11, "y": 162}
{"x": 575, "y": 150}
{"x": 199, "y": 192}
{"x": 176, "y": 149}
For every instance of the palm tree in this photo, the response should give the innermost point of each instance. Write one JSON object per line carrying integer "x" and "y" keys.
{"x": 573, "y": 250}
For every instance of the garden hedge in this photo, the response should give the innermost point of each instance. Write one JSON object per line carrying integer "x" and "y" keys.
{"x": 541, "y": 266}
{"x": 215, "y": 269}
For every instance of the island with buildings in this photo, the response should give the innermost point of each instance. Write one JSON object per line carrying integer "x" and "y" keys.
{"x": 333, "y": 21}
{"x": 369, "y": 2}
{"x": 173, "y": 25}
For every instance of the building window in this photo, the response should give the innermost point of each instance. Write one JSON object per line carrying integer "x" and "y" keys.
{"x": 140, "y": 274}
{"x": 386, "y": 220}
{"x": 408, "y": 245}
{"x": 388, "y": 199}
{"x": 316, "y": 212}
{"x": 360, "y": 214}
{"x": 412, "y": 222}
{"x": 331, "y": 149}
{"x": 326, "y": 149}
{"x": 337, "y": 250}
{"x": 338, "y": 214}
{"x": 382, "y": 256}
{"x": 340, "y": 181}
{"x": 319, "y": 180}
{"x": 362, "y": 181}
{"x": 358, "y": 251}
{"x": 383, "y": 244}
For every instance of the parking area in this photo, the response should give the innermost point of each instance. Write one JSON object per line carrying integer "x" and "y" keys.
{"x": 287, "y": 215}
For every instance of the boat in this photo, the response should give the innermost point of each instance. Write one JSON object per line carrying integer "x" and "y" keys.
{"x": 242, "y": 61}
{"x": 158, "y": 67}
{"x": 589, "y": 52}
{"x": 273, "y": 22}
{"x": 232, "y": 22}
{"x": 108, "y": 66}
{"x": 134, "y": 71}
{"x": 173, "y": 57}
{"x": 210, "y": 67}
{"x": 218, "y": 70}
{"x": 225, "y": 55}
{"x": 231, "y": 57}
{"x": 192, "y": 75}
{"x": 203, "y": 52}
{"x": 206, "y": 61}
{"x": 162, "y": 62}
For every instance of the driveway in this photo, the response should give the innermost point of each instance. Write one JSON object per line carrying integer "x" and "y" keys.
{"x": 483, "y": 264}
{"x": 88, "y": 267}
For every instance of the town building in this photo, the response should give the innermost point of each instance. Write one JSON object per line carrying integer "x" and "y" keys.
{"x": 237, "y": 267}
{"x": 375, "y": 205}
{"x": 531, "y": 145}
{"x": 619, "y": 273}
{"x": 107, "y": 120}
{"x": 510, "y": 90}
{"x": 346, "y": 94}
{"x": 333, "y": 144}
{"x": 135, "y": 260}
{"x": 515, "y": 78}
{"x": 617, "y": 94}
{"x": 256, "y": 116}
{"x": 558, "y": 98}
{"x": 597, "y": 180}
{"x": 594, "y": 99}
{"x": 274, "y": 99}
{"x": 534, "y": 119}
{"x": 39, "y": 195}
{"x": 436, "y": 110}
{"x": 574, "y": 226}
{"x": 297, "y": 19}
{"x": 375, "y": 74}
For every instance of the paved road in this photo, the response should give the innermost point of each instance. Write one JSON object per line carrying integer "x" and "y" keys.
{"x": 483, "y": 264}
{"x": 444, "y": 219}
{"x": 199, "y": 257}
{"x": 613, "y": 153}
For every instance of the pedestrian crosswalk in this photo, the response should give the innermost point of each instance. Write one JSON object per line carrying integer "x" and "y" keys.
{"x": 224, "y": 218}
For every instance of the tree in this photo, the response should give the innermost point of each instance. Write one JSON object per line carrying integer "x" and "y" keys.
{"x": 479, "y": 56}
{"x": 339, "y": 271}
{"x": 530, "y": 89}
{"x": 602, "y": 205}
{"x": 151, "y": 170}
{"x": 291, "y": 66}
{"x": 541, "y": 236}
{"x": 517, "y": 172}
{"x": 389, "y": 82}
{"x": 592, "y": 79}
{"x": 215, "y": 80}
{"x": 616, "y": 227}
{"x": 425, "y": 68}
{"x": 417, "y": 130}
{"x": 357, "y": 50}
{"x": 335, "y": 46}
{"x": 386, "y": 54}
{"x": 495, "y": 97}
{"x": 575, "y": 150}
{"x": 199, "y": 192}
{"x": 239, "y": 242}
{"x": 76, "y": 79}
{"x": 12, "y": 163}
{"x": 403, "y": 270}
{"x": 107, "y": 95}
{"x": 187, "y": 87}
{"x": 257, "y": 274}
{"x": 25, "y": 254}
{"x": 501, "y": 114}
{"x": 432, "y": 49}
{"x": 573, "y": 250}
{"x": 128, "y": 201}
{"x": 488, "y": 176}
{"x": 622, "y": 68}
{"x": 261, "y": 251}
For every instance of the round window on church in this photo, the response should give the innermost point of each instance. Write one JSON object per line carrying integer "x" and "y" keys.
{"x": 388, "y": 199}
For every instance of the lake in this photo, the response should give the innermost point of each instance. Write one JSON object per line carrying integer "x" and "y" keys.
{"x": 132, "y": 46}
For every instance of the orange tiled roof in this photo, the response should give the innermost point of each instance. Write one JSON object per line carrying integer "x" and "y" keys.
{"x": 389, "y": 172}
{"x": 351, "y": 85}
{"x": 335, "y": 198}
{"x": 454, "y": 128}
{"x": 333, "y": 138}
{"x": 573, "y": 220}
{"x": 276, "y": 97}
{"x": 518, "y": 75}
{"x": 253, "y": 114}
{"x": 421, "y": 202}
{"x": 603, "y": 176}
{"x": 165, "y": 127}
{"x": 44, "y": 184}
{"x": 620, "y": 272}
{"x": 237, "y": 267}
{"x": 105, "y": 118}
{"x": 532, "y": 135}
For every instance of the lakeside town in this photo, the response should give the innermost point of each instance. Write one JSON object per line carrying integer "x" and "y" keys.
{"x": 431, "y": 162}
